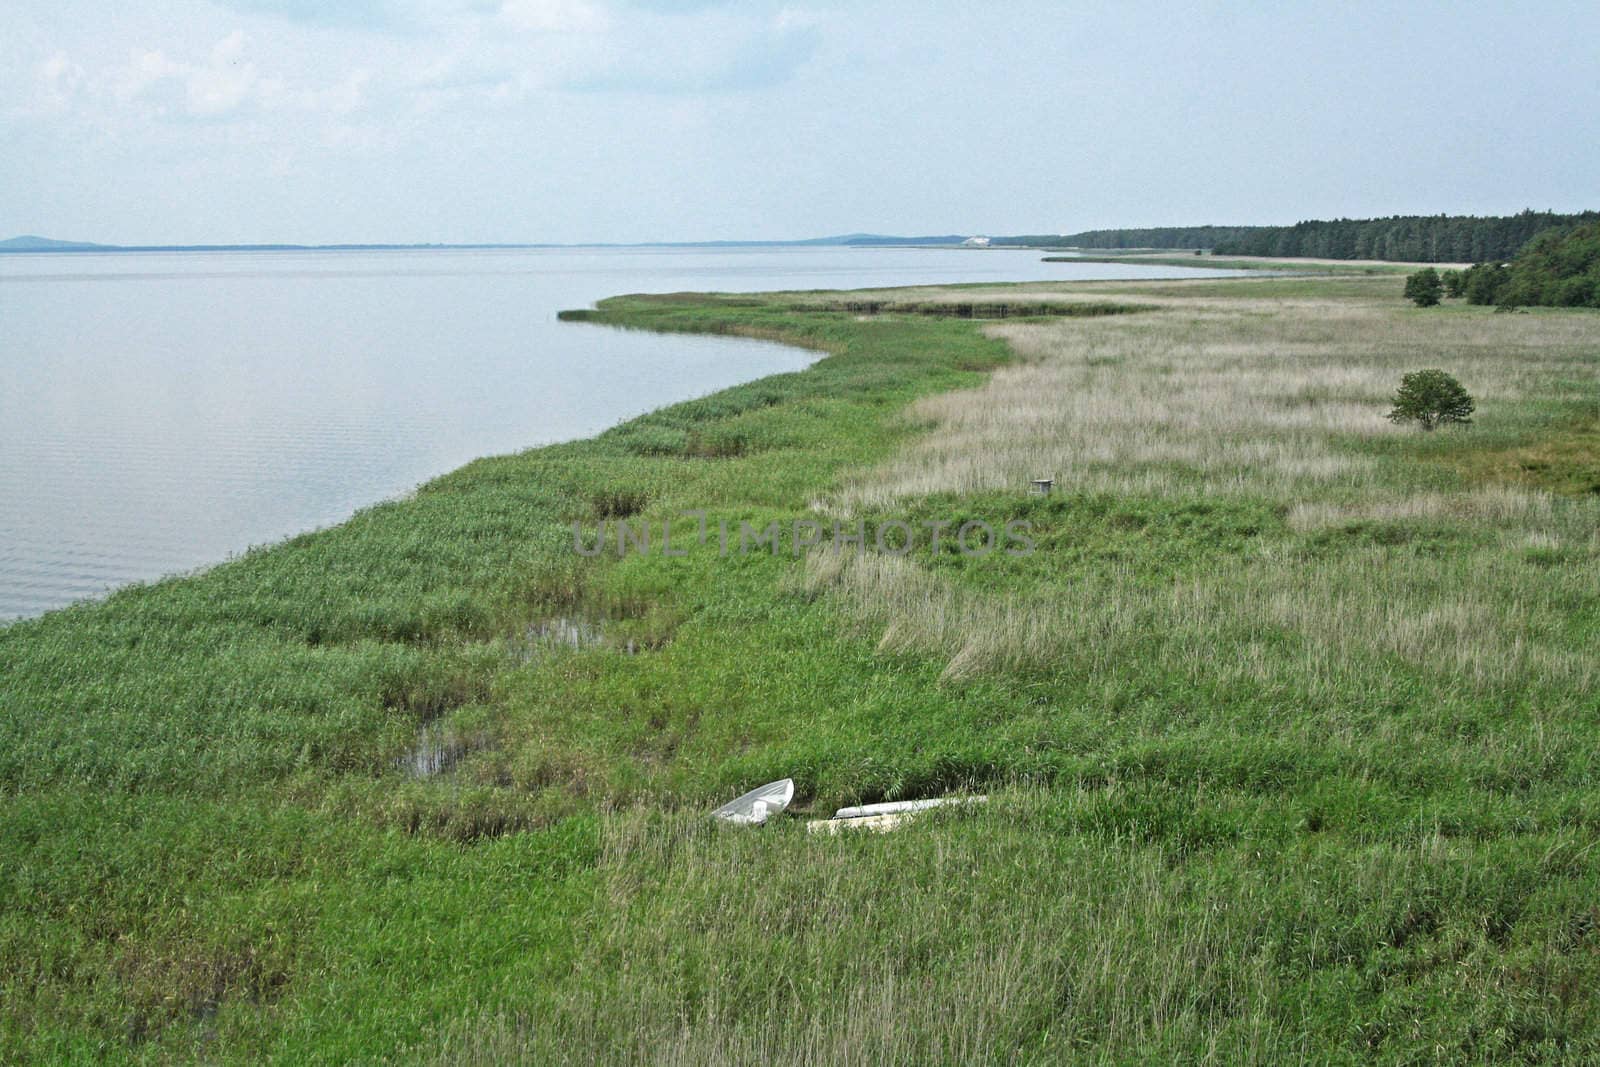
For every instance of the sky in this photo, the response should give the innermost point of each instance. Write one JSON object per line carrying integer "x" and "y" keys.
{"x": 318, "y": 121}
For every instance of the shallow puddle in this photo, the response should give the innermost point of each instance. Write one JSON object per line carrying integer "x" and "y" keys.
{"x": 563, "y": 631}
{"x": 439, "y": 747}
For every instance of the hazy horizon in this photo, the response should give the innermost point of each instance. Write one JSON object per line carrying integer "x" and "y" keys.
{"x": 636, "y": 121}
{"x": 90, "y": 245}
{"x": 334, "y": 244}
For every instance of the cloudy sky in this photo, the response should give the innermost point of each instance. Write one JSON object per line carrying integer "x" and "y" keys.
{"x": 640, "y": 120}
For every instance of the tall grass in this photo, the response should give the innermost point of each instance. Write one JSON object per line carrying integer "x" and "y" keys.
{"x": 1385, "y": 556}
{"x": 1245, "y": 397}
{"x": 1288, "y": 722}
{"x": 1073, "y": 926}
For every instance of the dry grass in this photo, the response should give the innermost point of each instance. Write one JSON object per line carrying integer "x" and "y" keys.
{"x": 1282, "y": 401}
{"x": 1244, "y": 396}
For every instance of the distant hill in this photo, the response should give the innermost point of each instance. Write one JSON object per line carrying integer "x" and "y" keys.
{"x": 29, "y": 243}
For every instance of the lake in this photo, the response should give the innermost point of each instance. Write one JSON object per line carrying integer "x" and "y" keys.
{"x": 163, "y": 411}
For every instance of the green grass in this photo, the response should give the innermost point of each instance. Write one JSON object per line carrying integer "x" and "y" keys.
{"x": 1561, "y": 457}
{"x": 207, "y": 850}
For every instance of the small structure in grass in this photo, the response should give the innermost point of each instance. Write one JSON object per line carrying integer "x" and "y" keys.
{"x": 1431, "y": 398}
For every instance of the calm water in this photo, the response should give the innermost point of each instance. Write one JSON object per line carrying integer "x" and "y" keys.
{"x": 160, "y": 412}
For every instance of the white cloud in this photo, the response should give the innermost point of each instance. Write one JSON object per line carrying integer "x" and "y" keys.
{"x": 144, "y": 70}
{"x": 152, "y": 85}
{"x": 703, "y": 52}
{"x": 289, "y": 86}
{"x": 342, "y": 98}
{"x": 556, "y": 16}
{"x": 223, "y": 82}
{"x": 59, "y": 83}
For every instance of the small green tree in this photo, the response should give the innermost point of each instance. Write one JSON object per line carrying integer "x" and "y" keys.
{"x": 1431, "y": 397}
{"x": 1455, "y": 283}
{"x": 1424, "y": 287}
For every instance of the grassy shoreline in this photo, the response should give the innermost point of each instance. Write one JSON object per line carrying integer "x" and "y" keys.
{"x": 1201, "y": 843}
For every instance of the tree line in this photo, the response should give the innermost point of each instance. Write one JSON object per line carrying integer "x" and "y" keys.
{"x": 1164, "y": 237}
{"x": 1415, "y": 238}
{"x": 1418, "y": 238}
{"x": 1558, "y": 268}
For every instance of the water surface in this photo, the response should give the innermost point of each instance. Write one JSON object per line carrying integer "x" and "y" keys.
{"x": 162, "y": 411}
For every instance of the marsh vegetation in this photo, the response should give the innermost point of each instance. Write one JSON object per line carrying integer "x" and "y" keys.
{"x": 1289, "y": 724}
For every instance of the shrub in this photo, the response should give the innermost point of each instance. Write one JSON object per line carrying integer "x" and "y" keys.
{"x": 1431, "y": 397}
{"x": 1424, "y": 287}
{"x": 1484, "y": 282}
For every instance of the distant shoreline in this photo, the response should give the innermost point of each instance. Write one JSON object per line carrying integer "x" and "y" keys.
{"x": 16, "y": 246}
{"x": 1144, "y": 257}
{"x": 102, "y": 249}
